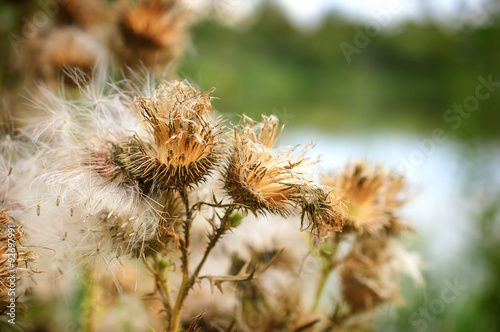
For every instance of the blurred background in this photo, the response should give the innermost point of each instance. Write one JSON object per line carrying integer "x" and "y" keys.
{"x": 412, "y": 84}
{"x": 398, "y": 82}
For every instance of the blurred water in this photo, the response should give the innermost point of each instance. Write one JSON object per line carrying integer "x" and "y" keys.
{"x": 442, "y": 211}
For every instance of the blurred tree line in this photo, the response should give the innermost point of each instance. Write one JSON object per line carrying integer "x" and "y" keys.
{"x": 406, "y": 77}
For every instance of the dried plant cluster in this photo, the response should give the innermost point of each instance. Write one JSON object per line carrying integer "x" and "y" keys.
{"x": 151, "y": 32}
{"x": 145, "y": 34}
{"x": 14, "y": 256}
{"x": 136, "y": 194}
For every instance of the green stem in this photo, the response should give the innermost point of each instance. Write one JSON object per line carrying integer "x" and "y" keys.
{"x": 175, "y": 317}
{"x": 325, "y": 273}
{"x": 89, "y": 308}
{"x": 213, "y": 240}
{"x": 188, "y": 282}
{"x": 162, "y": 282}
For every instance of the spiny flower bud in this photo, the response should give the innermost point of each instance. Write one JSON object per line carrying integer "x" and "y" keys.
{"x": 324, "y": 209}
{"x": 235, "y": 219}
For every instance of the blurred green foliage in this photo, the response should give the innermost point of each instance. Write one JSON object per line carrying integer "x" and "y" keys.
{"x": 405, "y": 78}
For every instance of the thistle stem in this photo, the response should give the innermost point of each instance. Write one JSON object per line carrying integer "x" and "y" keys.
{"x": 90, "y": 303}
{"x": 161, "y": 276}
{"x": 213, "y": 240}
{"x": 188, "y": 282}
{"x": 175, "y": 317}
{"x": 325, "y": 273}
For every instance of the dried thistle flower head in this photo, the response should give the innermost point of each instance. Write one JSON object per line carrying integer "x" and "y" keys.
{"x": 83, "y": 14}
{"x": 260, "y": 178}
{"x": 153, "y": 33}
{"x": 372, "y": 272}
{"x": 14, "y": 257}
{"x": 62, "y": 49}
{"x": 84, "y": 204}
{"x": 372, "y": 196}
{"x": 325, "y": 209}
{"x": 184, "y": 143}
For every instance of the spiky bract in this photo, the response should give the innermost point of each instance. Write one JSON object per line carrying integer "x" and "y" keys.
{"x": 184, "y": 143}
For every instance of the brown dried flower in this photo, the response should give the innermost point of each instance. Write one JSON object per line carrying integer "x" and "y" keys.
{"x": 325, "y": 209}
{"x": 13, "y": 255}
{"x": 260, "y": 178}
{"x": 153, "y": 33}
{"x": 372, "y": 196}
{"x": 62, "y": 49}
{"x": 84, "y": 14}
{"x": 184, "y": 140}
